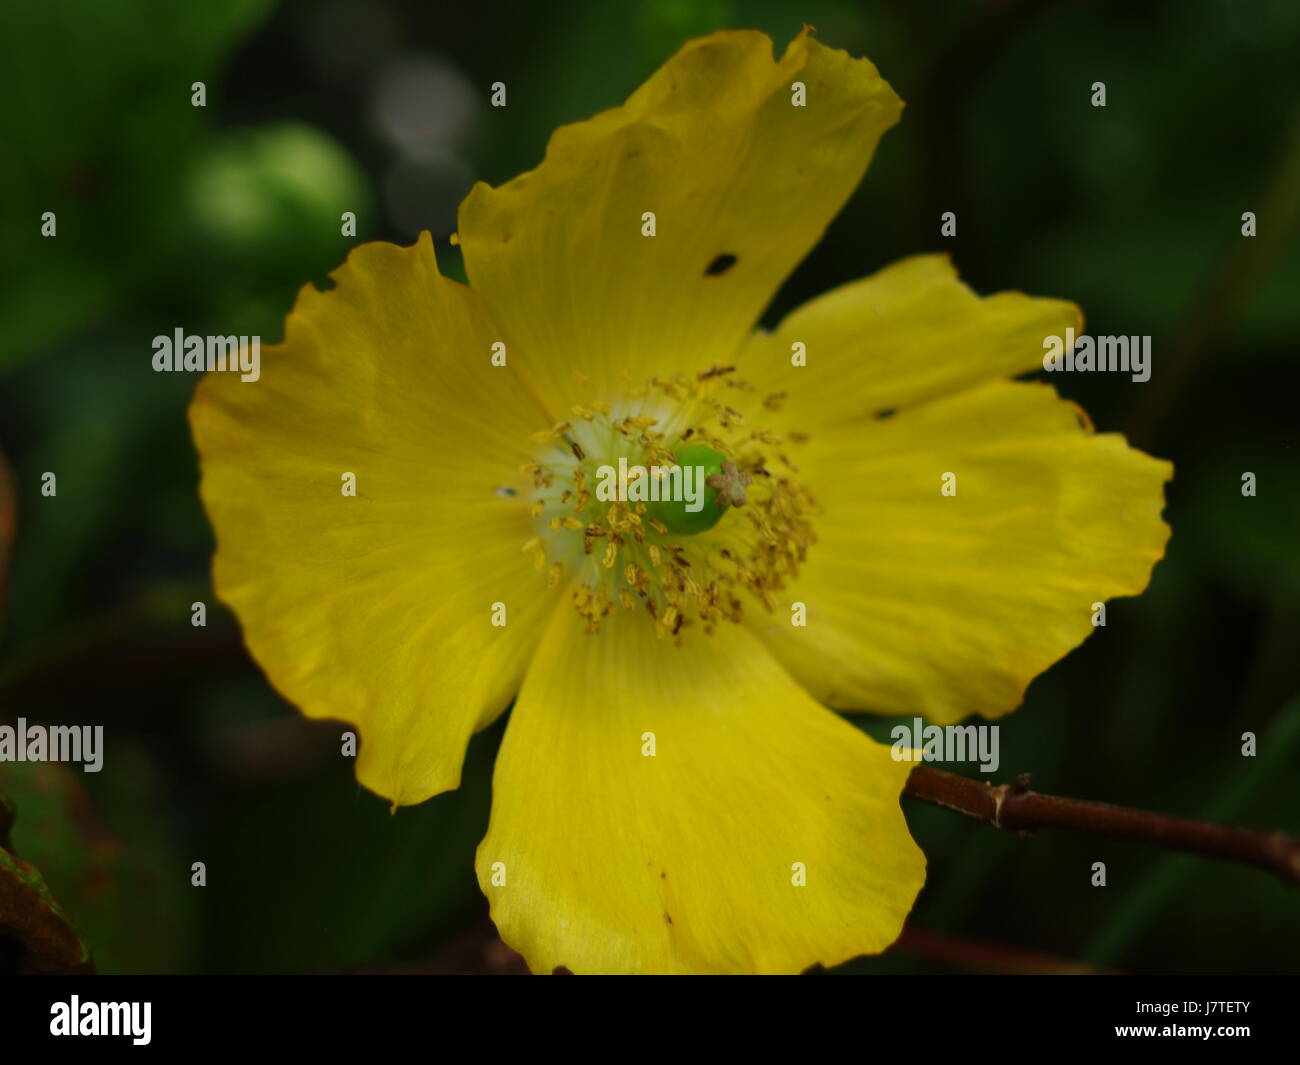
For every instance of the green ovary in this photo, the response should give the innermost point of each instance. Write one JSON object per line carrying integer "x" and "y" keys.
{"x": 673, "y": 513}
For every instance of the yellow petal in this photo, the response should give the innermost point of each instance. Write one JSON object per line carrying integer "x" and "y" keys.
{"x": 945, "y": 606}
{"x": 684, "y": 861}
{"x": 906, "y": 334}
{"x": 713, "y": 146}
{"x": 376, "y": 609}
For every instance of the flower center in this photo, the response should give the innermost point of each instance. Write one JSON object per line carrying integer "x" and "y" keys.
{"x": 666, "y": 501}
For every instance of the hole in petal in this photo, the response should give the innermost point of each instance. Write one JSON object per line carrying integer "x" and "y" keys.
{"x": 720, "y": 265}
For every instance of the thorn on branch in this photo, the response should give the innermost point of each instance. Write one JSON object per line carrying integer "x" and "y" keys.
{"x": 1015, "y": 807}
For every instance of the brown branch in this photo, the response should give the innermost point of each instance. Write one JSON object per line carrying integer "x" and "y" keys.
{"x": 981, "y": 956}
{"x": 1015, "y": 808}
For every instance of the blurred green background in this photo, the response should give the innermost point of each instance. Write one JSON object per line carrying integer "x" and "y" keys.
{"x": 173, "y": 215}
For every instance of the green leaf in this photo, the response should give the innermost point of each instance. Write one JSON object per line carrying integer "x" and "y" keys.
{"x": 36, "y": 935}
{"x": 101, "y": 139}
{"x": 108, "y": 858}
{"x": 8, "y": 528}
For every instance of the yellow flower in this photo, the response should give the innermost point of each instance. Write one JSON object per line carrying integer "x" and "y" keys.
{"x": 672, "y": 793}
